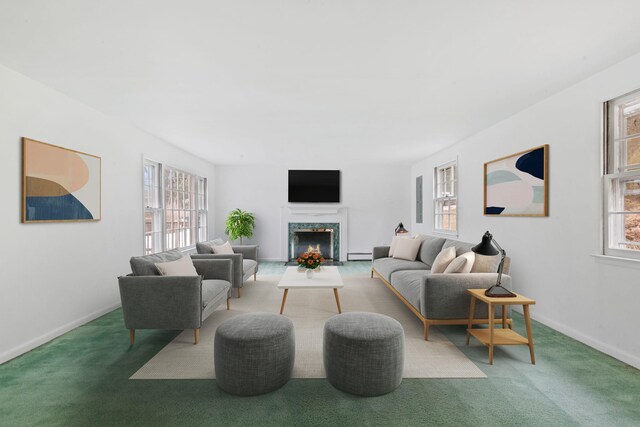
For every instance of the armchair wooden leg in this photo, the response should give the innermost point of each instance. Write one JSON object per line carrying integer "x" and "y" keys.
{"x": 238, "y": 292}
{"x": 196, "y": 335}
{"x": 426, "y": 331}
{"x": 132, "y": 336}
{"x": 372, "y": 273}
{"x": 228, "y": 303}
{"x": 254, "y": 276}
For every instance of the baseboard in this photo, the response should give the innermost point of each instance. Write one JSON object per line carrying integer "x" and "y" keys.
{"x": 270, "y": 260}
{"x": 616, "y": 353}
{"x": 43, "y": 339}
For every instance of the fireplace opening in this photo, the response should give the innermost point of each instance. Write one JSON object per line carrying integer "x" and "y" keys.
{"x": 312, "y": 240}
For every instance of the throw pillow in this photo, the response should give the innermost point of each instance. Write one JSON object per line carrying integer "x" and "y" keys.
{"x": 394, "y": 243}
{"x": 181, "y": 267}
{"x": 486, "y": 264}
{"x": 407, "y": 249}
{"x": 461, "y": 264}
{"x": 223, "y": 249}
{"x": 443, "y": 260}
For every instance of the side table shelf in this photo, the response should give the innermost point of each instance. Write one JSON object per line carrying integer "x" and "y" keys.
{"x": 492, "y": 336}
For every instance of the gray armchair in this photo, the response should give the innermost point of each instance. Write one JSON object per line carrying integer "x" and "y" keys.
{"x": 244, "y": 258}
{"x": 152, "y": 301}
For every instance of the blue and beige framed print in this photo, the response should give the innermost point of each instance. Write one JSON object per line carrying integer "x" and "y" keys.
{"x": 59, "y": 184}
{"x": 518, "y": 184}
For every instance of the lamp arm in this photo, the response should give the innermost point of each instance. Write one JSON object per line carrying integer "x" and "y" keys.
{"x": 503, "y": 254}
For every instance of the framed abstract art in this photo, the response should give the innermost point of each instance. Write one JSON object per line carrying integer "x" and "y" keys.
{"x": 58, "y": 184}
{"x": 517, "y": 185}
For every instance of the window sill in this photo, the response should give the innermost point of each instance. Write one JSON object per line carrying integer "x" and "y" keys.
{"x": 616, "y": 260}
{"x": 445, "y": 234}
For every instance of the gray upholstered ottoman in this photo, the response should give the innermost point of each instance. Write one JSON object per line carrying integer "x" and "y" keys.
{"x": 254, "y": 353}
{"x": 363, "y": 353}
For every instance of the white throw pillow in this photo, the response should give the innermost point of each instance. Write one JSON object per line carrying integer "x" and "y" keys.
{"x": 486, "y": 264}
{"x": 407, "y": 249}
{"x": 394, "y": 243}
{"x": 181, "y": 267}
{"x": 223, "y": 249}
{"x": 461, "y": 264}
{"x": 443, "y": 260}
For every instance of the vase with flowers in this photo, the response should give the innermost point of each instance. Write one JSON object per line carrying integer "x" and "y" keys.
{"x": 309, "y": 261}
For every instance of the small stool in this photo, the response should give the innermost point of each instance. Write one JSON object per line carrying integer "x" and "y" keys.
{"x": 363, "y": 353}
{"x": 254, "y": 353}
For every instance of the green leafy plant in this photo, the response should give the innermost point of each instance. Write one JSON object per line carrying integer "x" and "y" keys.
{"x": 239, "y": 224}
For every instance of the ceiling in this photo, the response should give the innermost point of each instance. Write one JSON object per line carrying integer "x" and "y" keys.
{"x": 307, "y": 82}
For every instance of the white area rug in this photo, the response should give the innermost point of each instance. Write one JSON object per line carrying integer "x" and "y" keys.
{"x": 309, "y": 309}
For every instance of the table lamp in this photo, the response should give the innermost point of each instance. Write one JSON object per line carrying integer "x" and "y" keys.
{"x": 489, "y": 247}
{"x": 401, "y": 230}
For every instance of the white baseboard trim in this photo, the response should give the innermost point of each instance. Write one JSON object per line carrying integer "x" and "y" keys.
{"x": 623, "y": 356}
{"x": 43, "y": 339}
{"x": 271, "y": 260}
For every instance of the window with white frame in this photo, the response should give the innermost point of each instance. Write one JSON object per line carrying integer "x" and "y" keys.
{"x": 445, "y": 200}
{"x": 175, "y": 208}
{"x": 622, "y": 177}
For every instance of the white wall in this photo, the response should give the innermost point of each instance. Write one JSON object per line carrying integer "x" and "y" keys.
{"x": 591, "y": 299}
{"x": 377, "y": 198}
{"x": 57, "y": 276}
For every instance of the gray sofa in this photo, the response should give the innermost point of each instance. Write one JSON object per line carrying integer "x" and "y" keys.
{"x": 438, "y": 299}
{"x": 152, "y": 301}
{"x": 244, "y": 258}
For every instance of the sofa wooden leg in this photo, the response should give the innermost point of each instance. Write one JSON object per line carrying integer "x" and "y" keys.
{"x": 372, "y": 273}
{"x": 426, "y": 331}
{"x": 254, "y": 276}
{"x": 196, "y": 335}
{"x": 132, "y": 336}
{"x": 228, "y": 307}
{"x": 238, "y": 292}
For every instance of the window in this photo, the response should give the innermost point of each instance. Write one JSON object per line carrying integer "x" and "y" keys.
{"x": 175, "y": 208}
{"x": 445, "y": 201}
{"x": 622, "y": 177}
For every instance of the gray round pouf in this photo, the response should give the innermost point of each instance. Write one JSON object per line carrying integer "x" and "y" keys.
{"x": 363, "y": 353}
{"x": 254, "y": 353}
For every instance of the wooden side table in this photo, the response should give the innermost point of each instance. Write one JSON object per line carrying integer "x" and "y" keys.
{"x": 492, "y": 336}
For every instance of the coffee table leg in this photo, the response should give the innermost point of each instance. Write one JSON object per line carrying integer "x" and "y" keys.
{"x": 491, "y": 334}
{"x": 472, "y": 309}
{"x": 284, "y": 298}
{"x": 527, "y": 321}
{"x": 335, "y": 292}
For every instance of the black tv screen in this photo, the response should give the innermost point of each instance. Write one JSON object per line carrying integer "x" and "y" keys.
{"x": 314, "y": 186}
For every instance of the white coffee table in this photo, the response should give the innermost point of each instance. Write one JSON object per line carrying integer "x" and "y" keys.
{"x": 327, "y": 277}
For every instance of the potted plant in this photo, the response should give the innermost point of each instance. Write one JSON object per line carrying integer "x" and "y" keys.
{"x": 239, "y": 224}
{"x": 309, "y": 261}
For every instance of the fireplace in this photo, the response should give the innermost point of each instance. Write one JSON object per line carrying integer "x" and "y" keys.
{"x": 323, "y": 238}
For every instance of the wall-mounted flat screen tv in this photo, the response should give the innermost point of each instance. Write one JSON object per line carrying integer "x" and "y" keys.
{"x": 314, "y": 186}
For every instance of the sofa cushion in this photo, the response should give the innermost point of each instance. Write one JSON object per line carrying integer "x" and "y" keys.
{"x": 213, "y": 290}
{"x": 386, "y": 266}
{"x": 248, "y": 265}
{"x": 461, "y": 247}
{"x": 431, "y": 247}
{"x": 443, "y": 260}
{"x": 146, "y": 265}
{"x": 180, "y": 267}
{"x": 407, "y": 249}
{"x": 408, "y": 283}
{"x": 486, "y": 264}
{"x": 394, "y": 243}
{"x": 462, "y": 264}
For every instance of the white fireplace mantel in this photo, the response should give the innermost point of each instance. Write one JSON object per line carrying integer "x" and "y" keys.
{"x": 306, "y": 213}
{"x": 313, "y": 210}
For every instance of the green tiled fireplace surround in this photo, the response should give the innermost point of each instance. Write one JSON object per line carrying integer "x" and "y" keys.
{"x": 294, "y": 226}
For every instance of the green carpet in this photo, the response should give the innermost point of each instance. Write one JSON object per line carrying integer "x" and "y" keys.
{"x": 81, "y": 379}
